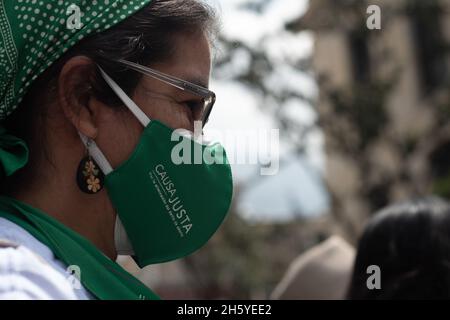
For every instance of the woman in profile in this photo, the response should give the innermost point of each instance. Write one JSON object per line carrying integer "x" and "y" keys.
{"x": 410, "y": 243}
{"x": 87, "y": 120}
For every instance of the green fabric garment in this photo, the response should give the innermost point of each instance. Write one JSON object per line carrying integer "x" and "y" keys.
{"x": 104, "y": 278}
{"x": 13, "y": 153}
{"x": 33, "y": 35}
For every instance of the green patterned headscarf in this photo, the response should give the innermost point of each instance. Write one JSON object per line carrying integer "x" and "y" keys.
{"x": 34, "y": 34}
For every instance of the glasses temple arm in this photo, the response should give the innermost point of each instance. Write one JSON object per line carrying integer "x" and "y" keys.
{"x": 178, "y": 83}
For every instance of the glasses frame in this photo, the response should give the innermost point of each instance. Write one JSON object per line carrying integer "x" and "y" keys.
{"x": 209, "y": 97}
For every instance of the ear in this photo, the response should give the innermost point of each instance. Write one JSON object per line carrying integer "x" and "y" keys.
{"x": 74, "y": 95}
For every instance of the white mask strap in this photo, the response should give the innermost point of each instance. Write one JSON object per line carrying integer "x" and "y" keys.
{"x": 97, "y": 154}
{"x": 122, "y": 242}
{"x": 94, "y": 150}
{"x": 141, "y": 116}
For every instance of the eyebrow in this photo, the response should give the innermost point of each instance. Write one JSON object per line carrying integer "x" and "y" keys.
{"x": 198, "y": 81}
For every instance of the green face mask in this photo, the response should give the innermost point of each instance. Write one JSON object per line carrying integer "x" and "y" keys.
{"x": 167, "y": 210}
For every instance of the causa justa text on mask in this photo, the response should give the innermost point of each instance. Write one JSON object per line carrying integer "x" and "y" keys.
{"x": 174, "y": 201}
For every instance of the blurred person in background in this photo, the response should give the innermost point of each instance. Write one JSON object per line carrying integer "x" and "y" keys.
{"x": 321, "y": 273}
{"x": 88, "y": 110}
{"x": 410, "y": 244}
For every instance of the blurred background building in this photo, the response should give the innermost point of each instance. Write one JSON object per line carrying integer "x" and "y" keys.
{"x": 363, "y": 118}
{"x": 384, "y": 102}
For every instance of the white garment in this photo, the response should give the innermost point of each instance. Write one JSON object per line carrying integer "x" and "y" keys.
{"x": 29, "y": 270}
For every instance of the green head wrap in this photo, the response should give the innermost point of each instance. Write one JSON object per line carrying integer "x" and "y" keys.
{"x": 33, "y": 35}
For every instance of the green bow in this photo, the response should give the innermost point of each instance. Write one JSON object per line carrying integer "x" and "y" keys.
{"x": 13, "y": 152}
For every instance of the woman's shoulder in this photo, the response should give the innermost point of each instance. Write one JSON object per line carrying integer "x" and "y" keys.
{"x": 26, "y": 275}
{"x": 29, "y": 270}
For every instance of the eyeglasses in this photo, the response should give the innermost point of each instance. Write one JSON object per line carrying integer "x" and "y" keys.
{"x": 208, "y": 97}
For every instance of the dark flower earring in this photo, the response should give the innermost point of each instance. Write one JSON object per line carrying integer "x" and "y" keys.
{"x": 90, "y": 179}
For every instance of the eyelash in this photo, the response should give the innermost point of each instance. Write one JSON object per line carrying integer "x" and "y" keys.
{"x": 192, "y": 104}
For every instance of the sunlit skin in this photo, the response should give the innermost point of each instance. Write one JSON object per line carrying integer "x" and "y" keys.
{"x": 54, "y": 189}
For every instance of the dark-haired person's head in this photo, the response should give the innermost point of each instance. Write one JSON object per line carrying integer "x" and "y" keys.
{"x": 409, "y": 245}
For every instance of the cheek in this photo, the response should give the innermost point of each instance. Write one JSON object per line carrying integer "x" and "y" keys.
{"x": 118, "y": 137}
{"x": 169, "y": 113}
